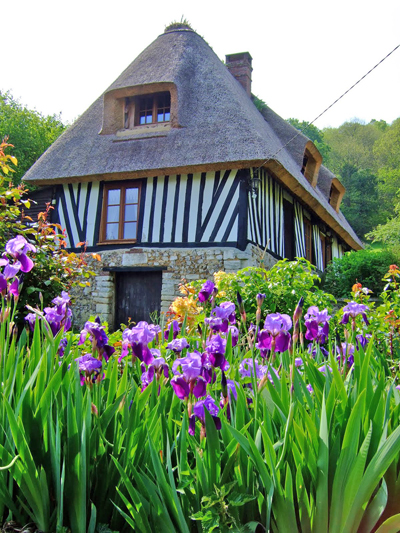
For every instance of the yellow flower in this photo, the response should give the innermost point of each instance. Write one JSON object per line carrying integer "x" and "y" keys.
{"x": 218, "y": 276}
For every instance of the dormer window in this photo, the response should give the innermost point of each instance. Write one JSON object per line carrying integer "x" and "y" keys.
{"x": 147, "y": 109}
{"x": 312, "y": 160}
{"x": 336, "y": 194}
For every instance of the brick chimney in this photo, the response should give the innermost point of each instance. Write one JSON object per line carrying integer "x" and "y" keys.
{"x": 239, "y": 65}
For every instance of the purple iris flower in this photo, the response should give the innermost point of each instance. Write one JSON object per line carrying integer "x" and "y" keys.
{"x": 363, "y": 340}
{"x": 353, "y": 309}
{"x": 31, "y": 319}
{"x": 324, "y": 369}
{"x": 59, "y": 316}
{"x": 157, "y": 368}
{"x": 14, "y": 288}
{"x": 206, "y": 291}
{"x": 98, "y": 337}
{"x": 62, "y": 301}
{"x": 89, "y": 368}
{"x": 313, "y": 313}
{"x": 317, "y": 324}
{"x": 199, "y": 412}
{"x": 208, "y": 368}
{"x": 62, "y": 346}
{"x": 3, "y": 284}
{"x": 260, "y": 299}
{"x": 234, "y": 335}
{"x": 190, "y": 365}
{"x": 274, "y": 336}
{"x": 312, "y": 350}
{"x": 177, "y": 345}
{"x": 10, "y": 270}
{"x": 155, "y": 328}
{"x": 189, "y": 380}
{"x": 215, "y": 348}
{"x": 138, "y": 338}
{"x": 246, "y": 369}
{"x": 221, "y": 317}
{"x": 175, "y": 328}
{"x": 346, "y": 353}
{"x": 18, "y": 248}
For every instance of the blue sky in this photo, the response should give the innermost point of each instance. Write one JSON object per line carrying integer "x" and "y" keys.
{"x": 60, "y": 56}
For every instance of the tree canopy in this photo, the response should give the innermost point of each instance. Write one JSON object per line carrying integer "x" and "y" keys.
{"x": 366, "y": 159}
{"x": 29, "y": 131}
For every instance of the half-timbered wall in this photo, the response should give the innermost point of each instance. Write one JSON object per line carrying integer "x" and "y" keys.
{"x": 265, "y": 219}
{"x": 191, "y": 209}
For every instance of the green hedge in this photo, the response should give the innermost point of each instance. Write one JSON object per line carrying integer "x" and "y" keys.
{"x": 365, "y": 266}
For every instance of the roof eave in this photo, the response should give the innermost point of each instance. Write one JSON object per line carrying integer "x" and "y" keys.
{"x": 296, "y": 188}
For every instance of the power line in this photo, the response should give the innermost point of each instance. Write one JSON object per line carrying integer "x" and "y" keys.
{"x": 327, "y": 109}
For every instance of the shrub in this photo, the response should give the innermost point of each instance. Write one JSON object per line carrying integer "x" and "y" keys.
{"x": 283, "y": 285}
{"x": 365, "y": 266}
{"x": 56, "y": 269}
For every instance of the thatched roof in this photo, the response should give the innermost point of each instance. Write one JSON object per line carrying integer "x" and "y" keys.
{"x": 219, "y": 127}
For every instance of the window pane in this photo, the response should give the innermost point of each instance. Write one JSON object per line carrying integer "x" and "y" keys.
{"x": 149, "y": 119}
{"x": 130, "y": 213}
{"x": 132, "y": 196}
{"x": 167, "y": 116}
{"x": 114, "y": 197}
{"x": 160, "y": 117}
{"x": 130, "y": 230}
{"x": 112, "y": 232}
{"x": 113, "y": 213}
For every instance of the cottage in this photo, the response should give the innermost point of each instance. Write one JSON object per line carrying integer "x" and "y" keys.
{"x": 174, "y": 173}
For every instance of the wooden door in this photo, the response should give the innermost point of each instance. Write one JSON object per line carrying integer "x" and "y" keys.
{"x": 138, "y": 295}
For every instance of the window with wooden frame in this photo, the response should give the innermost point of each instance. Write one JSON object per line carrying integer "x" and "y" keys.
{"x": 308, "y": 239}
{"x": 147, "y": 109}
{"x": 120, "y": 212}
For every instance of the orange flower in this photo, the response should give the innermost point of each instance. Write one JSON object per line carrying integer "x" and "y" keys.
{"x": 356, "y": 287}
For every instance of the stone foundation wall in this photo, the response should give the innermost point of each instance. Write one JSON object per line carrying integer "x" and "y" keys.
{"x": 179, "y": 263}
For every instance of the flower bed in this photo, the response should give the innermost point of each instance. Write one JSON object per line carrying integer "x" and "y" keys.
{"x": 206, "y": 423}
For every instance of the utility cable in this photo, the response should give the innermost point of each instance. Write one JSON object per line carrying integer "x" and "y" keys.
{"x": 327, "y": 109}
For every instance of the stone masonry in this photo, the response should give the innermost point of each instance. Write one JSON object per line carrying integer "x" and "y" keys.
{"x": 181, "y": 264}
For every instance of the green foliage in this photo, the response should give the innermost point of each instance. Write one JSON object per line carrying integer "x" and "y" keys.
{"x": 368, "y": 267}
{"x": 179, "y": 25}
{"x": 260, "y": 104}
{"x": 56, "y": 269}
{"x": 353, "y": 144}
{"x": 28, "y": 130}
{"x": 284, "y": 284}
{"x": 363, "y": 211}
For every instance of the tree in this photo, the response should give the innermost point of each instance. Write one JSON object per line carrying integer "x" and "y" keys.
{"x": 361, "y": 210}
{"x": 387, "y": 153}
{"x": 352, "y": 143}
{"x": 29, "y": 131}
